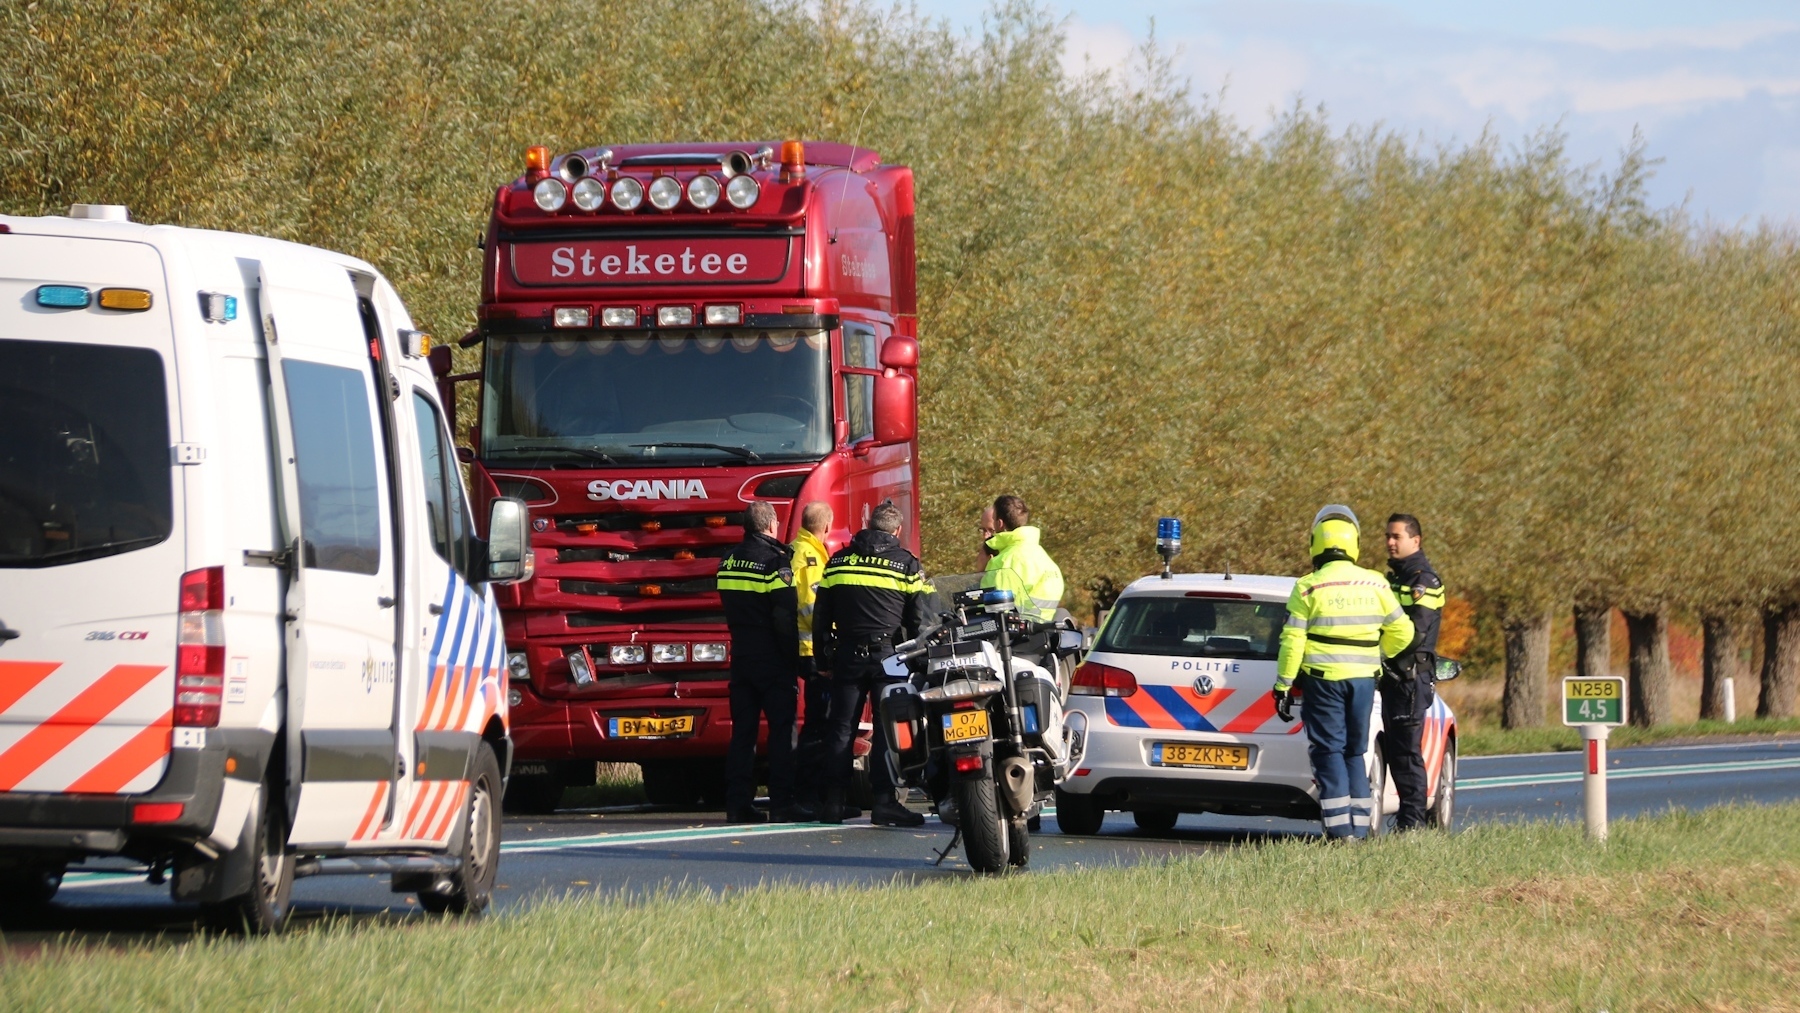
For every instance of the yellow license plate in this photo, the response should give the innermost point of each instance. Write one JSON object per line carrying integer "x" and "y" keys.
{"x": 965, "y": 726}
{"x": 652, "y": 728}
{"x": 1181, "y": 754}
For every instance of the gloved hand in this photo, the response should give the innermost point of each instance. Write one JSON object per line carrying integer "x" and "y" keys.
{"x": 1284, "y": 705}
{"x": 809, "y": 668}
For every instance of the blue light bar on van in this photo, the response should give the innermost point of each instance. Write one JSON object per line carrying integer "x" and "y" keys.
{"x": 218, "y": 308}
{"x": 63, "y": 297}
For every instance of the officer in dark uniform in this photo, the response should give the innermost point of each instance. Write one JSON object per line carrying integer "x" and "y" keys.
{"x": 1408, "y": 677}
{"x": 756, "y": 586}
{"x": 871, "y": 596}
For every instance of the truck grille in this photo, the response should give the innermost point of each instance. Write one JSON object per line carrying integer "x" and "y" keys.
{"x": 657, "y": 617}
{"x": 640, "y": 588}
{"x": 623, "y": 521}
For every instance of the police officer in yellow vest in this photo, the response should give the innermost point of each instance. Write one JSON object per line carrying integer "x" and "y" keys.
{"x": 1342, "y": 620}
{"x": 756, "y": 587}
{"x": 810, "y": 555}
{"x": 1020, "y": 564}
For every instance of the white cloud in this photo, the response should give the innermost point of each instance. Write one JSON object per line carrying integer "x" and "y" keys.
{"x": 1107, "y": 46}
{"x": 1728, "y": 36}
{"x": 1675, "y": 87}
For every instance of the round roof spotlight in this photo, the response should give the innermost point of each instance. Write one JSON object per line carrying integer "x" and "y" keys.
{"x": 665, "y": 193}
{"x": 573, "y": 167}
{"x": 627, "y": 193}
{"x": 589, "y": 193}
{"x": 550, "y": 194}
{"x": 703, "y": 192}
{"x": 742, "y": 191}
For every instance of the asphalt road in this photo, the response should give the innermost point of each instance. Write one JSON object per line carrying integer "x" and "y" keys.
{"x": 636, "y": 851}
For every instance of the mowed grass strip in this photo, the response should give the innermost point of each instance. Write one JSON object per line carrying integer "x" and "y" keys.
{"x": 1681, "y": 911}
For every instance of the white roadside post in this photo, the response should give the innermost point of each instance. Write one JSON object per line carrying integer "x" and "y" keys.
{"x": 1596, "y": 706}
{"x": 1730, "y": 701}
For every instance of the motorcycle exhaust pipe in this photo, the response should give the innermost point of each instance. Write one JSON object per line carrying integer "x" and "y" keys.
{"x": 1016, "y": 782}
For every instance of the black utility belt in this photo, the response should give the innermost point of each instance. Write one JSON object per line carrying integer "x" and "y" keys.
{"x": 1342, "y": 641}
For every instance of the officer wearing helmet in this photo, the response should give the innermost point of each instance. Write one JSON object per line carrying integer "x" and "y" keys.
{"x": 1342, "y": 621}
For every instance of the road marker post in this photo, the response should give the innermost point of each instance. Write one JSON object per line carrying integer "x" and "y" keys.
{"x": 1730, "y": 701}
{"x": 1596, "y": 706}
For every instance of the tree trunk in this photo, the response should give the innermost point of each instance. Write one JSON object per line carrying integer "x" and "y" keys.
{"x": 1593, "y": 640}
{"x": 1781, "y": 662}
{"x": 1650, "y": 689}
{"x": 1721, "y": 659}
{"x": 1527, "y": 671}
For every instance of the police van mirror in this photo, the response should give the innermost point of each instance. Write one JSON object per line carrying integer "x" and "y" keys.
{"x": 896, "y": 410}
{"x": 1447, "y": 669}
{"x": 508, "y": 543}
{"x": 1070, "y": 640}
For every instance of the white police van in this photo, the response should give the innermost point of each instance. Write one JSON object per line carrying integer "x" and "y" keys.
{"x": 246, "y": 626}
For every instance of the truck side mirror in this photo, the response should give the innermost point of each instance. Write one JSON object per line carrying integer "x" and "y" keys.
{"x": 440, "y": 361}
{"x": 509, "y": 559}
{"x": 896, "y": 407}
{"x": 900, "y": 352}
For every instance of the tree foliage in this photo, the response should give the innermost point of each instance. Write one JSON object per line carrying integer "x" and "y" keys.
{"x": 1130, "y": 305}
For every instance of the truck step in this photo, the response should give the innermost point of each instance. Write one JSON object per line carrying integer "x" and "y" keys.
{"x": 364, "y": 865}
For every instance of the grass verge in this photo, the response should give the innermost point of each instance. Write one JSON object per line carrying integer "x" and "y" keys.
{"x": 1489, "y": 741}
{"x": 1680, "y": 911}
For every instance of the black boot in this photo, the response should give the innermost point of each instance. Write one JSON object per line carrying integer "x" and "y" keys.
{"x": 888, "y": 812}
{"x": 798, "y": 812}
{"x": 750, "y": 814}
{"x": 833, "y": 810}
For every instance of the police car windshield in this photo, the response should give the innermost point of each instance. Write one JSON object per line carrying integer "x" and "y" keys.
{"x": 1194, "y": 628}
{"x": 84, "y": 452}
{"x": 658, "y": 397}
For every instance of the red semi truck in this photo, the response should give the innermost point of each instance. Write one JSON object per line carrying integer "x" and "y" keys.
{"x": 670, "y": 332}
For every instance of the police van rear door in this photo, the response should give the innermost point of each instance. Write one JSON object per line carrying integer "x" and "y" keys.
{"x": 91, "y": 546}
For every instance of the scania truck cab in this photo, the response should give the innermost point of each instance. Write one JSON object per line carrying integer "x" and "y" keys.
{"x": 668, "y": 333}
{"x": 248, "y": 630}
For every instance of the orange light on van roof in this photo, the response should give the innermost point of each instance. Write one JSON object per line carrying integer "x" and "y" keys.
{"x": 793, "y": 154}
{"x": 131, "y": 300}
{"x": 537, "y": 158}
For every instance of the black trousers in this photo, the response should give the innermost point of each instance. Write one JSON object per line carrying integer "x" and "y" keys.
{"x": 1400, "y": 745}
{"x": 756, "y": 694}
{"x": 849, "y": 688}
{"x": 810, "y": 762}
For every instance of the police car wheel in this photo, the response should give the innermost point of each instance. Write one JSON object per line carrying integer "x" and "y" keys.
{"x": 1080, "y": 815}
{"x": 1378, "y": 777}
{"x": 1443, "y": 810}
{"x": 472, "y": 885}
{"x": 1155, "y": 821}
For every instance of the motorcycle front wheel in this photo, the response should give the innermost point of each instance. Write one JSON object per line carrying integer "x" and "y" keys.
{"x": 984, "y": 830}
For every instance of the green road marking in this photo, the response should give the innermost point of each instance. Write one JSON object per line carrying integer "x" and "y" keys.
{"x": 673, "y": 836}
{"x": 1624, "y": 773}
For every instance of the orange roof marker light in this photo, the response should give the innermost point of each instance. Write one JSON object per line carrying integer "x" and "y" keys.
{"x": 537, "y": 162}
{"x": 793, "y": 160}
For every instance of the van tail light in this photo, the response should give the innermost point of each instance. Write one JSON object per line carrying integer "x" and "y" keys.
{"x": 1094, "y": 679}
{"x": 200, "y": 650}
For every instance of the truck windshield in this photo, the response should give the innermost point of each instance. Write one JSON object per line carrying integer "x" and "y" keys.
{"x": 1194, "y": 628}
{"x": 640, "y": 397}
{"x": 84, "y": 452}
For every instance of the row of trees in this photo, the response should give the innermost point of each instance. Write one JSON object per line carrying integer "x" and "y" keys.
{"x": 1131, "y": 305}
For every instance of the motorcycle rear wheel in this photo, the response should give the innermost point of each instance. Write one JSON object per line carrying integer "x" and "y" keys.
{"x": 984, "y": 830}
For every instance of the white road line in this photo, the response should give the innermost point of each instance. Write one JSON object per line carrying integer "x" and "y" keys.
{"x": 1625, "y": 773}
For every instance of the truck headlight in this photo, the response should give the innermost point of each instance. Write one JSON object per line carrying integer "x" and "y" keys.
{"x": 703, "y": 192}
{"x": 550, "y": 194}
{"x": 627, "y": 193}
{"x": 665, "y": 192}
{"x": 709, "y": 652}
{"x": 742, "y": 191}
{"x": 580, "y": 672}
{"x": 668, "y": 654}
{"x": 627, "y": 654}
{"x": 589, "y": 194}
{"x": 517, "y": 666}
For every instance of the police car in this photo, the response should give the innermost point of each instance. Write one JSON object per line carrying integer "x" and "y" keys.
{"x": 1172, "y": 712}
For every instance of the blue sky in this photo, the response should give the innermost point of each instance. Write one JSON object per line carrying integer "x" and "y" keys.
{"x": 1715, "y": 87}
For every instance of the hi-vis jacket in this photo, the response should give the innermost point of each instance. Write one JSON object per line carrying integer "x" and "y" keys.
{"x": 1341, "y": 620}
{"x": 872, "y": 590}
{"x": 809, "y": 566}
{"x": 1421, "y": 594}
{"x": 756, "y": 586}
{"x": 1021, "y": 565}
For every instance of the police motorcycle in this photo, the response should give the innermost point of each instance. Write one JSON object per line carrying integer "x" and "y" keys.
{"x": 988, "y": 750}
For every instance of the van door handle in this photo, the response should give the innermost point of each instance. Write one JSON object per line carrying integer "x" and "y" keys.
{"x": 436, "y": 609}
{"x": 385, "y": 602}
